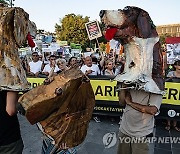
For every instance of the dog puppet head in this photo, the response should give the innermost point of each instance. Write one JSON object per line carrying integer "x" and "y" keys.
{"x": 133, "y": 26}
{"x": 126, "y": 23}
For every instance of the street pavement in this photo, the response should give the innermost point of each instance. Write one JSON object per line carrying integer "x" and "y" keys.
{"x": 101, "y": 137}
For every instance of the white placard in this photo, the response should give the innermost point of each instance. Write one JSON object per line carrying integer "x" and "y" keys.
{"x": 93, "y": 30}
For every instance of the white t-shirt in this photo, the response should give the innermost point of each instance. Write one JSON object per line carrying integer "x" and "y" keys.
{"x": 94, "y": 68}
{"x": 47, "y": 68}
{"x": 35, "y": 66}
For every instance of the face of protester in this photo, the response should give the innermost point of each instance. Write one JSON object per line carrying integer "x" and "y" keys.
{"x": 88, "y": 61}
{"x": 73, "y": 61}
{"x": 52, "y": 60}
{"x": 62, "y": 65}
{"x": 40, "y": 58}
{"x": 110, "y": 66}
{"x": 35, "y": 57}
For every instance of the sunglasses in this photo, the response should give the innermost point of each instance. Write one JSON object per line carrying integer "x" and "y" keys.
{"x": 35, "y": 55}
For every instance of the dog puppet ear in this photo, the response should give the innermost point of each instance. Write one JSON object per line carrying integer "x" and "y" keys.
{"x": 144, "y": 25}
{"x": 21, "y": 19}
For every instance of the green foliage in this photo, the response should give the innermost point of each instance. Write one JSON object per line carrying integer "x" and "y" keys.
{"x": 72, "y": 29}
{"x": 7, "y": 2}
{"x": 163, "y": 38}
{"x": 4, "y": 2}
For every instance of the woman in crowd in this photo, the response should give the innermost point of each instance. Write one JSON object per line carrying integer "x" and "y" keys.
{"x": 174, "y": 74}
{"x": 72, "y": 62}
{"x": 109, "y": 68}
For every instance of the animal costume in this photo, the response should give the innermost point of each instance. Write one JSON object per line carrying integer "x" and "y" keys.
{"x": 134, "y": 28}
{"x": 14, "y": 28}
{"x": 63, "y": 108}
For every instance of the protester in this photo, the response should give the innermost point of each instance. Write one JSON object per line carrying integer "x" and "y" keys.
{"x": 10, "y": 137}
{"x": 61, "y": 63}
{"x": 35, "y": 66}
{"x": 48, "y": 147}
{"x": 72, "y": 62}
{"x": 137, "y": 120}
{"x": 89, "y": 68}
{"x": 109, "y": 68}
{"x": 48, "y": 67}
{"x": 119, "y": 65}
{"x": 174, "y": 74}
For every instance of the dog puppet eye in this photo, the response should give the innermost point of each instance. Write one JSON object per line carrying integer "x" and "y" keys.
{"x": 126, "y": 8}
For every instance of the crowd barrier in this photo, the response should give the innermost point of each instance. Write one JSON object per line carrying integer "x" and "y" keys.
{"x": 107, "y": 97}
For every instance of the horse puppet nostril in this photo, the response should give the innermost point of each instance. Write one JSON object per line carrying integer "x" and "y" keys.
{"x": 101, "y": 13}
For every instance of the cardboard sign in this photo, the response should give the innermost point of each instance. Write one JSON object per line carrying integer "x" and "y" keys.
{"x": 93, "y": 30}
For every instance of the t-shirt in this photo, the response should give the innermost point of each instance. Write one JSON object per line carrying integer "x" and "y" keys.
{"x": 35, "y": 66}
{"x": 9, "y": 125}
{"x": 135, "y": 123}
{"x": 94, "y": 68}
{"x": 48, "y": 69}
{"x": 171, "y": 74}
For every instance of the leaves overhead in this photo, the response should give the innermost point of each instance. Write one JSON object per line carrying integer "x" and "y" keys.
{"x": 6, "y": 2}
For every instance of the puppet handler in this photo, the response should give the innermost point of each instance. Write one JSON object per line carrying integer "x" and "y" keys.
{"x": 141, "y": 83}
{"x": 15, "y": 28}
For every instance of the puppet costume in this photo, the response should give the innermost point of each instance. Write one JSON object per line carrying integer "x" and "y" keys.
{"x": 14, "y": 28}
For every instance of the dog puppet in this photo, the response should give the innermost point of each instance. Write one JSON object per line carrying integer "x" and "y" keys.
{"x": 15, "y": 29}
{"x": 134, "y": 28}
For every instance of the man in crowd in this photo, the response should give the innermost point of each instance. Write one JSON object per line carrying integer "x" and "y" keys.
{"x": 89, "y": 68}
{"x": 52, "y": 65}
{"x": 35, "y": 66}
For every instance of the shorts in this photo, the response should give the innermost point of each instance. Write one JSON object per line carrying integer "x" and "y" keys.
{"x": 125, "y": 147}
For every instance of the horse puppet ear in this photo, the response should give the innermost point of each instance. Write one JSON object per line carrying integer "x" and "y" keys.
{"x": 21, "y": 19}
{"x": 144, "y": 24}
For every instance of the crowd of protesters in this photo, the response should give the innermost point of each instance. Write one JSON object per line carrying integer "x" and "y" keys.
{"x": 96, "y": 64}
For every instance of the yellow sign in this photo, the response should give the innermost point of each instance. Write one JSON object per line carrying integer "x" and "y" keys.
{"x": 35, "y": 81}
{"x": 172, "y": 95}
{"x": 106, "y": 90}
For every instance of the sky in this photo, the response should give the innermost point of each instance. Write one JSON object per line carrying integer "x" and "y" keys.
{"x": 46, "y": 13}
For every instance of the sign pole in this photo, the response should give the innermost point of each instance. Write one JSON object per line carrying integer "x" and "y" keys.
{"x": 97, "y": 42}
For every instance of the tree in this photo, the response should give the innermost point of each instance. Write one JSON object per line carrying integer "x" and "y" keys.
{"x": 7, "y": 2}
{"x": 163, "y": 38}
{"x": 72, "y": 29}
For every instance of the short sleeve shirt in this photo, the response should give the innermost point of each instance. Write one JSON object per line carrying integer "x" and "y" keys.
{"x": 135, "y": 123}
{"x": 94, "y": 68}
{"x": 48, "y": 69}
{"x": 35, "y": 66}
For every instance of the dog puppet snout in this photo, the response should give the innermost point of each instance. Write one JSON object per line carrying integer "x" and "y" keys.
{"x": 101, "y": 13}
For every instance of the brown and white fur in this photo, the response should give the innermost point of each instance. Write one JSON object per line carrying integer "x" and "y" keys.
{"x": 136, "y": 31}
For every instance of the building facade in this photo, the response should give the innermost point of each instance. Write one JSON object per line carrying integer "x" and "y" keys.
{"x": 171, "y": 29}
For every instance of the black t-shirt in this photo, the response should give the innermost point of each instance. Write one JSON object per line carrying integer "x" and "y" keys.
{"x": 9, "y": 125}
